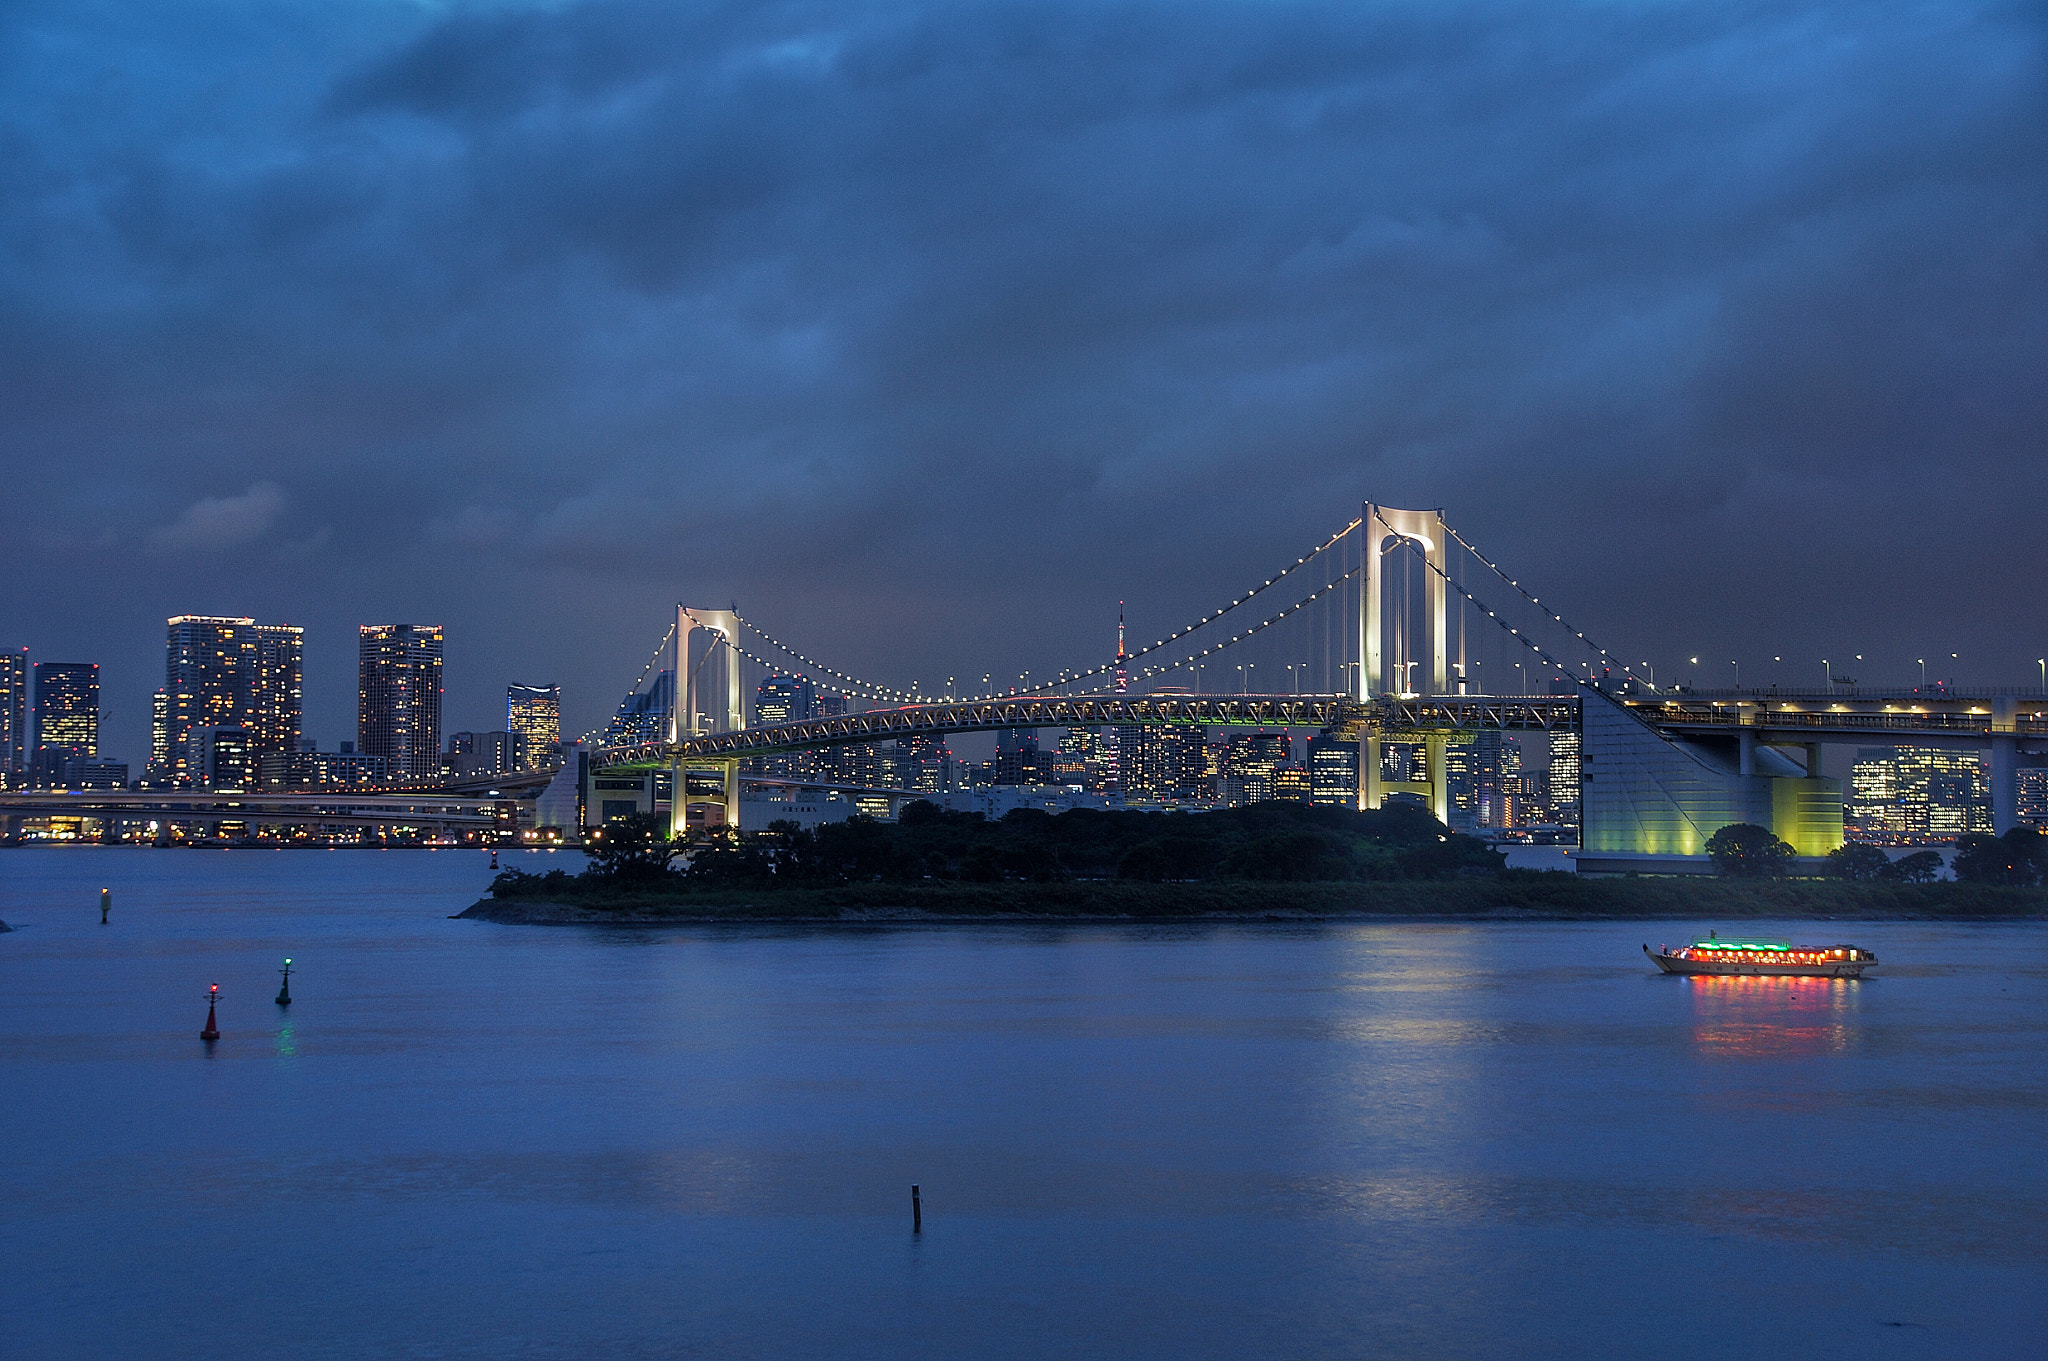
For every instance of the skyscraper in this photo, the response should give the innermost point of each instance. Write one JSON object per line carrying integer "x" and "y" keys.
{"x": 222, "y": 672}
{"x": 14, "y": 739}
{"x": 159, "y": 734}
{"x": 275, "y": 703}
{"x": 784, "y": 699}
{"x": 1564, "y": 775}
{"x": 398, "y": 698}
{"x": 1333, "y": 771}
{"x": 67, "y": 717}
{"x": 643, "y": 717}
{"x": 533, "y": 715}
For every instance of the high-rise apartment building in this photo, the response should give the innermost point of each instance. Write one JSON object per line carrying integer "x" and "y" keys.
{"x": 159, "y": 734}
{"x": 398, "y": 698}
{"x": 14, "y": 711}
{"x": 276, "y": 707}
{"x": 222, "y": 672}
{"x": 67, "y": 718}
{"x": 533, "y": 715}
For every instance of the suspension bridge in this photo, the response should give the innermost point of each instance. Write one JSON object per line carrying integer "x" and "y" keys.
{"x": 1391, "y": 632}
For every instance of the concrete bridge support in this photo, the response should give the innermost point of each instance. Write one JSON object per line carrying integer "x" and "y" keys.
{"x": 707, "y": 701}
{"x": 1434, "y": 787}
{"x": 2005, "y": 765}
{"x": 1650, "y": 803}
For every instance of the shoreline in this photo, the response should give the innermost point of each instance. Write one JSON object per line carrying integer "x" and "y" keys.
{"x": 540, "y": 913}
{"x": 1514, "y": 896}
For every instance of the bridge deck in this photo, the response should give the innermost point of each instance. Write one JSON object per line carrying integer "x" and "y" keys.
{"x": 1772, "y": 716}
{"x": 1329, "y": 713}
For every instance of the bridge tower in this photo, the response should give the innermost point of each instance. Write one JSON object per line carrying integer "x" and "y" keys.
{"x": 700, "y": 710}
{"x": 1382, "y": 529}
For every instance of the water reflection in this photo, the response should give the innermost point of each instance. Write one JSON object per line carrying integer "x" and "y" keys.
{"x": 1752, "y": 1017}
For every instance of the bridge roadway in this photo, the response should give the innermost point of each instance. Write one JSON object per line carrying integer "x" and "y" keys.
{"x": 1331, "y": 713}
{"x": 1765, "y": 716}
{"x": 331, "y": 809}
{"x": 1880, "y": 717}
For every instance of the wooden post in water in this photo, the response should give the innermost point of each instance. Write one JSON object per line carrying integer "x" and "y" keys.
{"x": 916, "y": 1211}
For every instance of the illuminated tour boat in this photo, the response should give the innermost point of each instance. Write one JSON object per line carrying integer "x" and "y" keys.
{"x": 1762, "y": 958}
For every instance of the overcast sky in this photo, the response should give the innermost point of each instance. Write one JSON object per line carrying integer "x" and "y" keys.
{"x": 927, "y": 331}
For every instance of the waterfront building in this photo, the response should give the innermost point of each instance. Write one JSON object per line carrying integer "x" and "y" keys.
{"x": 95, "y": 772}
{"x": 14, "y": 719}
{"x": 533, "y": 715}
{"x": 226, "y": 672}
{"x": 67, "y": 718}
{"x": 481, "y": 753}
{"x": 1333, "y": 771}
{"x": 398, "y": 713}
{"x": 317, "y": 769}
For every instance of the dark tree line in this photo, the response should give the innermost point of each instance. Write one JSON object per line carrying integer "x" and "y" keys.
{"x": 1266, "y": 841}
{"x": 2017, "y": 859}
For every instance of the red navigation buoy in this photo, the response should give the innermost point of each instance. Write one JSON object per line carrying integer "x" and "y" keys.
{"x": 494, "y": 857}
{"x": 212, "y": 1031}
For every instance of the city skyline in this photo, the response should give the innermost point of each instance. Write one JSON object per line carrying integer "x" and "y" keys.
{"x": 1689, "y": 351}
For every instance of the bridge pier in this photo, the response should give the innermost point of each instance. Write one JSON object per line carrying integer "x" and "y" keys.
{"x": 1439, "y": 771}
{"x": 2005, "y": 765}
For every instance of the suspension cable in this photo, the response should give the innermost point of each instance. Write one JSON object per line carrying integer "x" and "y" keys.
{"x": 1524, "y": 639}
{"x": 1259, "y": 627}
{"x": 1548, "y": 612}
{"x": 1064, "y": 679}
{"x": 658, "y": 648}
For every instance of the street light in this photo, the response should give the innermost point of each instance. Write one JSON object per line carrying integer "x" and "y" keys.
{"x": 1738, "y": 674}
{"x": 1826, "y": 671}
{"x": 2042, "y": 662}
{"x": 1923, "y": 674}
{"x": 1524, "y": 679}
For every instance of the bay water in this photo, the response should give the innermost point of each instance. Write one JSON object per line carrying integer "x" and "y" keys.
{"x": 1470, "y": 1139}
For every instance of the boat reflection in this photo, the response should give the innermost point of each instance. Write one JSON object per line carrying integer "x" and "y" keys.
{"x": 1753, "y": 1017}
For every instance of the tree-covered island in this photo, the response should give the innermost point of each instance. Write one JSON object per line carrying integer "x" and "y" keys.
{"x": 1271, "y": 859}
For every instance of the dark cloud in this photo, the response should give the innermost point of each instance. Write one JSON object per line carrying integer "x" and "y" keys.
{"x": 931, "y": 330}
